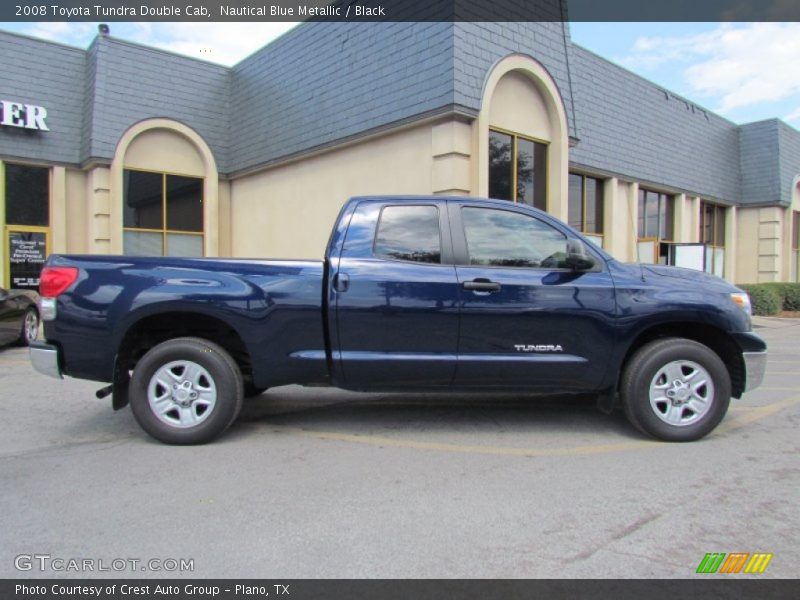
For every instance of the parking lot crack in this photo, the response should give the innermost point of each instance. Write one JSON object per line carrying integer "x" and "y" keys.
{"x": 622, "y": 534}
{"x": 67, "y": 449}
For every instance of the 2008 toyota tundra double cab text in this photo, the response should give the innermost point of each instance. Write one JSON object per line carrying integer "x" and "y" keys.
{"x": 414, "y": 293}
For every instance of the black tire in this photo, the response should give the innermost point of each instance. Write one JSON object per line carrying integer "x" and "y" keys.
{"x": 651, "y": 360}
{"x": 225, "y": 379}
{"x": 252, "y": 391}
{"x": 25, "y": 336}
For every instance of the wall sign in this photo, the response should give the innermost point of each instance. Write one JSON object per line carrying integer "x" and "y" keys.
{"x": 27, "y": 251}
{"x": 28, "y": 116}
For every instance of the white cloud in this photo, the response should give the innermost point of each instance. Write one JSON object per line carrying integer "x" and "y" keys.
{"x": 59, "y": 31}
{"x": 224, "y": 43}
{"x": 741, "y": 65}
{"x": 793, "y": 116}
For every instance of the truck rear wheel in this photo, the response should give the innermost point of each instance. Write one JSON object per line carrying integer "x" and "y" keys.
{"x": 675, "y": 389}
{"x": 186, "y": 391}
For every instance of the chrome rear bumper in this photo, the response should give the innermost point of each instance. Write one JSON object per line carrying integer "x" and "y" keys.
{"x": 44, "y": 359}
{"x": 755, "y": 365}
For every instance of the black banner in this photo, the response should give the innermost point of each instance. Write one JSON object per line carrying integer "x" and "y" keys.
{"x": 400, "y": 10}
{"x": 729, "y": 588}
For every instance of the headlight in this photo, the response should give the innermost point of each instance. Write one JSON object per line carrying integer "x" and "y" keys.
{"x": 742, "y": 300}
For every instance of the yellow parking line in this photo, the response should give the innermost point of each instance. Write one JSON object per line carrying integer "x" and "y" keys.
{"x": 375, "y": 440}
{"x": 748, "y": 417}
{"x": 756, "y": 414}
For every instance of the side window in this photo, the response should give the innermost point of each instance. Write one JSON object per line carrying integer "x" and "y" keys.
{"x": 409, "y": 233}
{"x": 500, "y": 238}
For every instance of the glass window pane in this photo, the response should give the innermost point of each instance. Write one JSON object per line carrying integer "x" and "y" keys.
{"x": 706, "y": 222}
{"x": 665, "y": 217}
{"x": 142, "y": 243}
{"x": 594, "y": 205}
{"x": 647, "y": 252}
{"x": 651, "y": 214}
{"x": 27, "y": 195}
{"x": 525, "y": 171}
{"x": 719, "y": 227}
{"x": 540, "y": 176}
{"x": 501, "y": 238}
{"x": 500, "y": 151}
{"x": 142, "y": 200}
{"x": 180, "y": 244}
{"x": 576, "y": 201}
{"x": 796, "y": 231}
{"x": 184, "y": 203}
{"x": 642, "y": 198}
{"x": 409, "y": 233}
{"x": 597, "y": 239}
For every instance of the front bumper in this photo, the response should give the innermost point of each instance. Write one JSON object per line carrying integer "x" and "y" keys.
{"x": 755, "y": 365}
{"x": 45, "y": 359}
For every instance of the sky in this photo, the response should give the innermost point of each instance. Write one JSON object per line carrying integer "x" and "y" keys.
{"x": 743, "y": 71}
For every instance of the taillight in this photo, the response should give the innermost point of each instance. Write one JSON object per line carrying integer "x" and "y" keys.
{"x": 55, "y": 280}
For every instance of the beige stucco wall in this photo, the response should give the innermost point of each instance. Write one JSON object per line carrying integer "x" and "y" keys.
{"x": 788, "y": 265}
{"x": 76, "y": 212}
{"x": 619, "y": 219}
{"x": 518, "y": 106}
{"x": 747, "y": 245}
{"x": 164, "y": 150}
{"x": 225, "y": 241}
{"x": 288, "y": 211}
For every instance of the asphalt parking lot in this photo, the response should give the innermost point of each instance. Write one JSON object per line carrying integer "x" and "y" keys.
{"x": 317, "y": 483}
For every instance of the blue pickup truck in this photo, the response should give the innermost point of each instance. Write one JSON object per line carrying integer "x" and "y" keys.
{"x": 414, "y": 293}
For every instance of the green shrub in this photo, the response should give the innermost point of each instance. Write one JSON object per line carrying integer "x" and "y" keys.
{"x": 790, "y": 294}
{"x": 765, "y": 298}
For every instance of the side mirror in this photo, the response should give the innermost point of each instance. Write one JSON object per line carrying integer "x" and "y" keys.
{"x": 578, "y": 259}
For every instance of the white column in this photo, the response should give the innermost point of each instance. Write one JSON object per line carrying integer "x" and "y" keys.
{"x": 58, "y": 210}
{"x": 451, "y": 147}
{"x": 730, "y": 244}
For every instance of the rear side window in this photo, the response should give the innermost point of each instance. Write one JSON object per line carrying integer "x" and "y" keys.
{"x": 409, "y": 233}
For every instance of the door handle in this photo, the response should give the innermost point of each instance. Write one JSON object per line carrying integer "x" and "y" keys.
{"x": 341, "y": 282}
{"x": 481, "y": 285}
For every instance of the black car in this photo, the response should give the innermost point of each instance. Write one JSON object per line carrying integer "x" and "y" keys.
{"x": 19, "y": 317}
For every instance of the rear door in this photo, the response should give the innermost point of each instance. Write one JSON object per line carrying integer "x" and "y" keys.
{"x": 396, "y": 297}
{"x": 526, "y": 320}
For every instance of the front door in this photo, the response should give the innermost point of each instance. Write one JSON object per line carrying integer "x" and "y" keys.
{"x": 525, "y": 317}
{"x": 396, "y": 298}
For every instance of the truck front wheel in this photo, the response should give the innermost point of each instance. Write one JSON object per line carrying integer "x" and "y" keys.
{"x": 675, "y": 389}
{"x": 186, "y": 391}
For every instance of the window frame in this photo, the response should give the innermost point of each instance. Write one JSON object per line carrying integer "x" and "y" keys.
{"x": 716, "y": 210}
{"x": 442, "y": 254}
{"x": 164, "y": 231}
{"x": 7, "y": 229}
{"x": 643, "y": 215}
{"x": 600, "y": 186}
{"x": 514, "y": 157}
{"x": 4, "y": 207}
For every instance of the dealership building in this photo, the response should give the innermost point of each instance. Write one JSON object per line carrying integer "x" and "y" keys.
{"x": 128, "y": 149}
